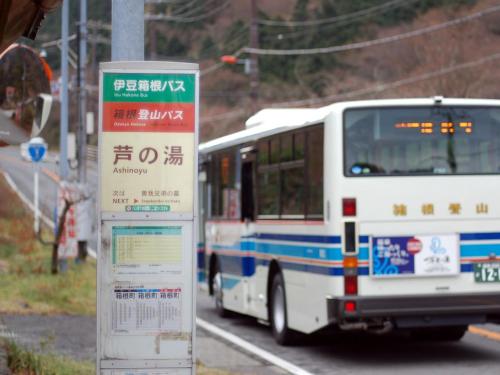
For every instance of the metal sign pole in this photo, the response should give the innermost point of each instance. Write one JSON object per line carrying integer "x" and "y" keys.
{"x": 36, "y": 149}
{"x": 63, "y": 138}
{"x": 35, "y": 199}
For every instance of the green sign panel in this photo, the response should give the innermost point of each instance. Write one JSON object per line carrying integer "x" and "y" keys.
{"x": 137, "y": 87}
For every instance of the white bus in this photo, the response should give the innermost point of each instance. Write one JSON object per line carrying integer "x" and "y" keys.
{"x": 365, "y": 215}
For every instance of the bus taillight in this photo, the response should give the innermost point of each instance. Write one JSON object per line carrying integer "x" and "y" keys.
{"x": 351, "y": 285}
{"x": 349, "y": 206}
{"x": 350, "y": 306}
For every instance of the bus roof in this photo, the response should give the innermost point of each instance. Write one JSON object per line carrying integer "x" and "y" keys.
{"x": 271, "y": 121}
{"x": 268, "y": 122}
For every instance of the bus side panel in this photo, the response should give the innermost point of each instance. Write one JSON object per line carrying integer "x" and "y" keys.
{"x": 224, "y": 239}
{"x": 306, "y": 304}
{"x": 311, "y": 268}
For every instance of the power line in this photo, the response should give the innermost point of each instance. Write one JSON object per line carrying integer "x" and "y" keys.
{"x": 373, "y": 89}
{"x": 283, "y": 35}
{"x": 390, "y": 85}
{"x": 343, "y": 17}
{"x": 370, "y": 43}
{"x": 184, "y": 6}
{"x": 162, "y": 17}
{"x": 185, "y": 11}
{"x": 236, "y": 38}
{"x": 57, "y": 42}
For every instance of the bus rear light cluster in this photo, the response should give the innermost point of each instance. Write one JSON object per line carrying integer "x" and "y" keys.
{"x": 351, "y": 285}
{"x": 350, "y": 237}
{"x": 350, "y": 306}
{"x": 349, "y": 206}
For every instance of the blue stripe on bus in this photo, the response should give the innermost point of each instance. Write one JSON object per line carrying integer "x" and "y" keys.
{"x": 229, "y": 282}
{"x": 299, "y": 238}
{"x": 202, "y": 276}
{"x": 245, "y": 265}
{"x": 479, "y": 250}
{"x": 308, "y": 252}
{"x": 363, "y": 239}
{"x": 467, "y": 267}
{"x": 364, "y": 253}
{"x": 311, "y": 268}
{"x": 479, "y": 236}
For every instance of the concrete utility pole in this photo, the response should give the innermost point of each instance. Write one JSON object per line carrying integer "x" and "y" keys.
{"x": 83, "y": 208}
{"x": 82, "y": 128}
{"x": 127, "y": 33}
{"x": 63, "y": 140}
{"x": 254, "y": 62}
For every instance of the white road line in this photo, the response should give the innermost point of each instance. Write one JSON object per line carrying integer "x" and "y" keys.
{"x": 271, "y": 358}
{"x": 28, "y": 203}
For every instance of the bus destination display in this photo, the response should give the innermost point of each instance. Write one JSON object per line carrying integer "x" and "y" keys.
{"x": 442, "y": 127}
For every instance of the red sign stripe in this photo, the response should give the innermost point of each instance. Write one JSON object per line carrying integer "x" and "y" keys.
{"x": 148, "y": 117}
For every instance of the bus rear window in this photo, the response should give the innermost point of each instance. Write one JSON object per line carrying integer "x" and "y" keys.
{"x": 435, "y": 140}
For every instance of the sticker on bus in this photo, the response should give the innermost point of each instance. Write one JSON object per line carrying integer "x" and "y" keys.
{"x": 428, "y": 255}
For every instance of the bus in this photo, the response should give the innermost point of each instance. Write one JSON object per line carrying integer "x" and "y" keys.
{"x": 374, "y": 215}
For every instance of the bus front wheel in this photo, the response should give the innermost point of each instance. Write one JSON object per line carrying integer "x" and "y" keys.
{"x": 278, "y": 314}
{"x": 218, "y": 293}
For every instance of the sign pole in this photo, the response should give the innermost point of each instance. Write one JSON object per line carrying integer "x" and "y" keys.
{"x": 63, "y": 138}
{"x": 36, "y": 149}
{"x": 35, "y": 198}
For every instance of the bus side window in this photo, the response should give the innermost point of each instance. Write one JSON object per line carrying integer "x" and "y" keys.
{"x": 292, "y": 176}
{"x": 228, "y": 193}
{"x": 213, "y": 183}
{"x": 248, "y": 186}
{"x": 314, "y": 167}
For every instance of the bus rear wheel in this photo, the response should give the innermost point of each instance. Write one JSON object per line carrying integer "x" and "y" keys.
{"x": 278, "y": 314}
{"x": 454, "y": 333}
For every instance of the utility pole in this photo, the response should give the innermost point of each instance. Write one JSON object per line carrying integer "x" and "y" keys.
{"x": 63, "y": 139}
{"x": 83, "y": 208}
{"x": 82, "y": 129}
{"x": 127, "y": 30}
{"x": 254, "y": 62}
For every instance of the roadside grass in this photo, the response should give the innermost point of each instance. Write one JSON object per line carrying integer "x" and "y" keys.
{"x": 27, "y": 286}
{"x": 25, "y": 362}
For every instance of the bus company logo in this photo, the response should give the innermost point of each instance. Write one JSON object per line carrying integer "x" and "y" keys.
{"x": 436, "y": 246}
{"x": 414, "y": 246}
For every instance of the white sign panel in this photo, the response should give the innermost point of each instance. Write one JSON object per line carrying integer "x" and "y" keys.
{"x": 148, "y": 136}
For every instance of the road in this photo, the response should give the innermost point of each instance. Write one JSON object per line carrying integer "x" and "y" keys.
{"x": 319, "y": 354}
{"x": 22, "y": 171}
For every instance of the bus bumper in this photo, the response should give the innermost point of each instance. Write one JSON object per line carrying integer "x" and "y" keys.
{"x": 414, "y": 311}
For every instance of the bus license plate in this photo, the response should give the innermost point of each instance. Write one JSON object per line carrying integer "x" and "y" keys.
{"x": 487, "y": 272}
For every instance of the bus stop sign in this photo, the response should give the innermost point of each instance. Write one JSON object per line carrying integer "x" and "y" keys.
{"x": 37, "y": 149}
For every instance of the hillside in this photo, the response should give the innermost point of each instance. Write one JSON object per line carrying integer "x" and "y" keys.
{"x": 454, "y": 59}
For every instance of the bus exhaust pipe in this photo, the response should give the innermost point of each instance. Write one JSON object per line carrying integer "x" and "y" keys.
{"x": 386, "y": 327}
{"x": 358, "y": 326}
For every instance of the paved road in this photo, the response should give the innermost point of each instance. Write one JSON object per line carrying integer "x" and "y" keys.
{"x": 22, "y": 171}
{"x": 328, "y": 353}
{"x": 331, "y": 353}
